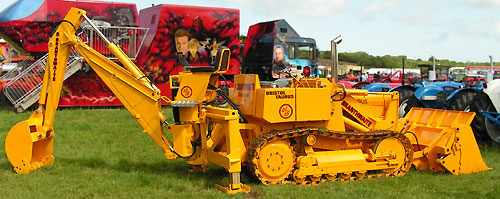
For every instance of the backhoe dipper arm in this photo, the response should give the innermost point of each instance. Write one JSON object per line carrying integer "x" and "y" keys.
{"x": 29, "y": 143}
{"x": 138, "y": 95}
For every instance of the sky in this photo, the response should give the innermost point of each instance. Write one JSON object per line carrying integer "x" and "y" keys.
{"x": 460, "y": 30}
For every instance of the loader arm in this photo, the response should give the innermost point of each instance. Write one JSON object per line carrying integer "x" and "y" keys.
{"x": 29, "y": 143}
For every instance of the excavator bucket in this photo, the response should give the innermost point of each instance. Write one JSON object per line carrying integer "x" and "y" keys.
{"x": 443, "y": 141}
{"x": 27, "y": 148}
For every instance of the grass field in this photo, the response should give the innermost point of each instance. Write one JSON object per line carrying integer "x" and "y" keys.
{"x": 104, "y": 154}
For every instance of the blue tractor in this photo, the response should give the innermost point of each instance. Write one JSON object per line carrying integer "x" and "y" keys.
{"x": 377, "y": 87}
{"x": 439, "y": 95}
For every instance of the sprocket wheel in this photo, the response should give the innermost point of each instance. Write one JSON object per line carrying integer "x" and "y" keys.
{"x": 397, "y": 151}
{"x": 274, "y": 162}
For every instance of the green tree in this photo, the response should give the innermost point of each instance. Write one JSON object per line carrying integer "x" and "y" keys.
{"x": 388, "y": 61}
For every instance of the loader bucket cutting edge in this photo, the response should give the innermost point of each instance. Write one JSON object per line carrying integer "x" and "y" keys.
{"x": 24, "y": 154}
{"x": 445, "y": 141}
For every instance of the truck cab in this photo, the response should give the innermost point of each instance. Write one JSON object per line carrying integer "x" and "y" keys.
{"x": 274, "y": 50}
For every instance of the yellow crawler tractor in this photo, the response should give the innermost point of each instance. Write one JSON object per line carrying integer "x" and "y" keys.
{"x": 307, "y": 133}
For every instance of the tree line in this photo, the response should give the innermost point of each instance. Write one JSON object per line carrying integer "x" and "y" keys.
{"x": 388, "y": 61}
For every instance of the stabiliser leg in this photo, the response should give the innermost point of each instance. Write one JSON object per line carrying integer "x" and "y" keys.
{"x": 235, "y": 185}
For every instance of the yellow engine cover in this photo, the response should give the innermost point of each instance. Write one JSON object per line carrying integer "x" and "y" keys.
{"x": 276, "y": 104}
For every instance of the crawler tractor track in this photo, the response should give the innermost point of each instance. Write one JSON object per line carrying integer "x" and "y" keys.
{"x": 281, "y": 167}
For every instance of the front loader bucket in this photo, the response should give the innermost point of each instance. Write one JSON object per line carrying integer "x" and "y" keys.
{"x": 26, "y": 148}
{"x": 443, "y": 141}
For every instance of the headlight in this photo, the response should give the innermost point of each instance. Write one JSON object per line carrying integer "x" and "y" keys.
{"x": 429, "y": 97}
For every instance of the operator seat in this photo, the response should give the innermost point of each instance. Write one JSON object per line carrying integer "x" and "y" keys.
{"x": 221, "y": 62}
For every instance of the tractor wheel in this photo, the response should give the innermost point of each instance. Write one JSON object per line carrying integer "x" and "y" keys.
{"x": 462, "y": 101}
{"x": 405, "y": 94}
{"x": 492, "y": 128}
{"x": 406, "y": 105}
{"x": 479, "y": 103}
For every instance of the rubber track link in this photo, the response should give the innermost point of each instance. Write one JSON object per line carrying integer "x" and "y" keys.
{"x": 261, "y": 141}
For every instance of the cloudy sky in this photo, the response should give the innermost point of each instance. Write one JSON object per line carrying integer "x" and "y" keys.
{"x": 461, "y": 30}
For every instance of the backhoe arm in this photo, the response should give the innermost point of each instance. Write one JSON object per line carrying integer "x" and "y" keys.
{"x": 141, "y": 100}
{"x": 29, "y": 143}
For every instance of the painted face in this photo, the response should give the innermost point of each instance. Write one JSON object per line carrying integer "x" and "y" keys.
{"x": 181, "y": 44}
{"x": 279, "y": 54}
{"x": 193, "y": 49}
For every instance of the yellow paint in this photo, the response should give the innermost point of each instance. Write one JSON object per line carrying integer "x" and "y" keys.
{"x": 445, "y": 139}
{"x": 182, "y": 135}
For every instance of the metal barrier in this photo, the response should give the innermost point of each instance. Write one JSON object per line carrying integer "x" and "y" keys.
{"x": 25, "y": 81}
{"x": 19, "y": 68}
{"x": 129, "y": 39}
{"x": 28, "y": 82}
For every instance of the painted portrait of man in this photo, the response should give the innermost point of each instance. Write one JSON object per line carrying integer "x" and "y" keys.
{"x": 281, "y": 68}
{"x": 181, "y": 41}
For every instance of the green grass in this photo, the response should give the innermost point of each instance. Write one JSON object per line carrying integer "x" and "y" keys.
{"x": 104, "y": 154}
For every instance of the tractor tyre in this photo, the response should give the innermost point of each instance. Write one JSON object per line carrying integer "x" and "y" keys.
{"x": 406, "y": 105}
{"x": 462, "y": 101}
{"x": 492, "y": 128}
{"x": 404, "y": 94}
{"x": 479, "y": 103}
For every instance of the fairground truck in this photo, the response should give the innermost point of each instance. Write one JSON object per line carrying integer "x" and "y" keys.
{"x": 151, "y": 39}
{"x": 486, "y": 105}
{"x": 275, "y": 50}
{"x": 148, "y": 38}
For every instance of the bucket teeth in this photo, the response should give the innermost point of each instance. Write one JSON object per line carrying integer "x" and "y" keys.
{"x": 25, "y": 167}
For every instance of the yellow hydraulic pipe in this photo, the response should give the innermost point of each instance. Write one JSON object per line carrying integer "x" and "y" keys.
{"x": 124, "y": 59}
{"x": 127, "y": 63}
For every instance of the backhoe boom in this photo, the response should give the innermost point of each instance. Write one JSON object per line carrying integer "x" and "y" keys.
{"x": 29, "y": 143}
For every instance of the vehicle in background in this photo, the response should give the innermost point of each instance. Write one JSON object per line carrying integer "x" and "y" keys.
{"x": 473, "y": 80}
{"x": 439, "y": 95}
{"x": 392, "y": 75}
{"x": 324, "y": 72}
{"x": 275, "y": 50}
{"x": 486, "y": 105}
{"x": 457, "y": 74}
{"x": 441, "y": 73}
{"x": 194, "y": 31}
{"x": 483, "y": 71}
{"x": 388, "y": 82}
{"x": 9, "y": 58}
{"x": 27, "y": 24}
{"x": 378, "y": 87}
{"x": 202, "y": 31}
